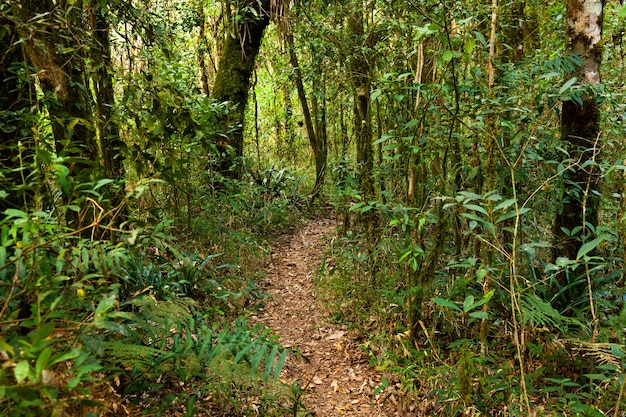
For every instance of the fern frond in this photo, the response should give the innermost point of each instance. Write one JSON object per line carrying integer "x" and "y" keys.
{"x": 602, "y": 353}
{"x": 541, "y": 313}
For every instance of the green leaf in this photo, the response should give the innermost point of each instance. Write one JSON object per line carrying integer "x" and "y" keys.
{"x": 445, "y": 303}
{"x": 21, "y": 371}
{"x": 447, "y": 56}
{"x": 15, "y": 213}
{"x": 279, "y": 365}
{"x": 269, "y": 362}
{"x": 477, "y": 208}
{"x": 588, "y": 247}
{"x": 479, "y": 315}
{"x": 621, "y": 13}
{"x": 243, "y": 352}
{"x": 6, "y": 347}
{"x": 384, "y": 383}
{"x": 43, "y": 361}
{"x": 505, "y": 204}
{"x": 568, "y": 85}
{"x": 617, "y": 351}
{"x": 256, "y": 360}
{"x": 103, "y": 182}
{"x": 468, "y": 303}
{"x": 470, "y": 43}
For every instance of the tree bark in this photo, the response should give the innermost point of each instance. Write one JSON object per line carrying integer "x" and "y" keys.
{"x": 232, "y": 82}
{"x": 202, "y": 49}
{"x": 111, "y": 144}
{"x": 577, "y": 210}
{"x": 58, "y": 56}
{"x": 360, "y": 70}
{"x": 60, "y": 74}
{"x": 578, "y": 205}
{"x": 317, "y": 141}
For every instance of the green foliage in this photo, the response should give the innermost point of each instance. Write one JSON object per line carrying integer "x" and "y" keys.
{"x": 163, "y": 341}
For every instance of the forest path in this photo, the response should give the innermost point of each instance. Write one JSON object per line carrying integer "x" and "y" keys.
{"x": 335, "y": 374}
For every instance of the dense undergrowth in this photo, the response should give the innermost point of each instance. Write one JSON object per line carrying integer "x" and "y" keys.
{"x": 153, "y": 320}
{"x": 484, "y": 335}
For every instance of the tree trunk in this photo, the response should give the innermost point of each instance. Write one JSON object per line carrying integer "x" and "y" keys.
{"x": 60, "y": 74}
{"x": 59, "y": 59}
{"x": 577, "y": 211}
{"x": 111, "y": 144}
{"x": 232, "y": 81}
{"x": 202, "y": 49}
{"x": 317, "y": 141}
{"x": 578, "y": 205}
{"x": 359, "y": 68}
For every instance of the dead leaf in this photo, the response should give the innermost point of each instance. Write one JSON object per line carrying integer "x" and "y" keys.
{"x": 337, "y": 335}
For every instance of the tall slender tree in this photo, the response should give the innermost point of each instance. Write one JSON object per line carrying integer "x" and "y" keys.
{"x": 111, "y": 145}
{"x": 360, "y": 68}
{"x": 317, "y": 138}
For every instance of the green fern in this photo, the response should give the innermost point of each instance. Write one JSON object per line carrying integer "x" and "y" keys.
{"x": 166, "y": 339}
{"x": 541, "y": 313}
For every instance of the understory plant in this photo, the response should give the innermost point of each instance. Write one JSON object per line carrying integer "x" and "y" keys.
{"x": 82, "y": 317}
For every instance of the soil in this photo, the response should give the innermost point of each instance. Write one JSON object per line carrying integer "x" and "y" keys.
{"x": 333, "y": 371}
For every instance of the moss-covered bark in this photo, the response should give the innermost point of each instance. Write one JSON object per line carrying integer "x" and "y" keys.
{"x": 232, "y": 81}
{"x": 59, "y": 62}
{"x": 58, "y": 57}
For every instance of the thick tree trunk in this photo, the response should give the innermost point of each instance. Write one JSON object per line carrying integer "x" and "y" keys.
{"x": 60, "y": 75}
{"x": 577, "y": 211}
{"x": 59, "y": 60}
{"x": 578, "y": 205}
{"x": 202, "y": 49}
{"x": 232, "y": 82}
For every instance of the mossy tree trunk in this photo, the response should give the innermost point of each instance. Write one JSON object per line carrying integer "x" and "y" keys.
{"x": 58, "y": 57}
{"x": 110, "y": 142}
{"x": 232, "y": 81}
{"x": 59, "y": 61}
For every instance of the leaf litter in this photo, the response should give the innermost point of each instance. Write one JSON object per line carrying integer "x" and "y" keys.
{"x": 330, "y": 368}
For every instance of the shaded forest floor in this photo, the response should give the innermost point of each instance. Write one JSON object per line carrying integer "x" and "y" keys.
{"x": 332, "y": 372}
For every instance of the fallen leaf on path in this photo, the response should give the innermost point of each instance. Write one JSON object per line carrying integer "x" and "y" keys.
{"x": 336, "y": 335}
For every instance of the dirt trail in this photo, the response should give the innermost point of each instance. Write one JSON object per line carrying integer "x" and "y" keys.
{"x": 336, "y": 375}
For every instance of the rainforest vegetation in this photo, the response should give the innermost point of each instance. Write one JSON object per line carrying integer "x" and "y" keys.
{"x": 470, "y": 153}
